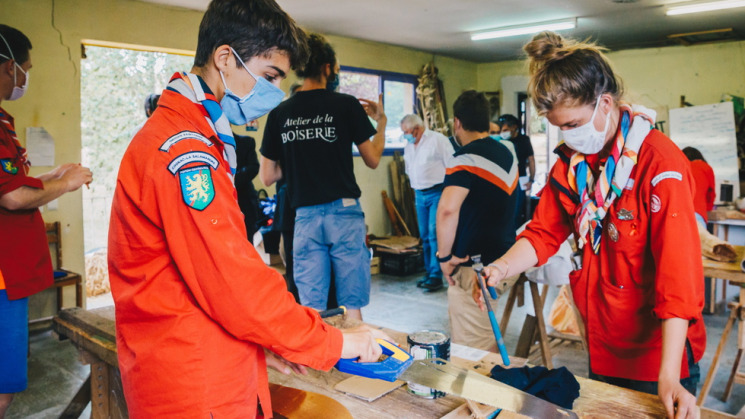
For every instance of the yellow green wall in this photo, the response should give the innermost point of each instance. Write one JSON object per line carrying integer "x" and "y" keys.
{"x": 657, "y": 77}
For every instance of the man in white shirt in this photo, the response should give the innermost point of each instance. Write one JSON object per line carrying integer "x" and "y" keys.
{"x": 426, "y": 155}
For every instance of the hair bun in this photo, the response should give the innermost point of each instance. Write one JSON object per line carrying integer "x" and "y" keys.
{"x": 546, "y": 47}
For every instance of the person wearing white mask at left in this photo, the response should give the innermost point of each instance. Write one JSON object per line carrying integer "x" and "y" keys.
{"x": 426, "y": 155}
{"x": 25, "y": 263}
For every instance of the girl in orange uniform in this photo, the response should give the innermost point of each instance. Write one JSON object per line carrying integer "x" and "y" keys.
{"x": 625, "y": 192}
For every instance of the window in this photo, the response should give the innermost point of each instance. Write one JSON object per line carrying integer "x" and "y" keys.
{"x": 399, "y": 97}
{"x": 543, "y": 137}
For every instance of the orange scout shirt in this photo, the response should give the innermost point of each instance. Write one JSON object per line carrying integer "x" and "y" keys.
{"x": 648, "y": 267}
{"x": 703, "y": 199}
{"x": 195, "y": 303}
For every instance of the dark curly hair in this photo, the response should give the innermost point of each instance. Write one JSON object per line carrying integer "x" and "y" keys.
{"x": 253, "y": 28}
{"x": 321, "y": 53}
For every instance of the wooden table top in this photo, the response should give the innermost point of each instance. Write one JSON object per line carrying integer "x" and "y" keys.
{"x": 731, "y": 271}
{"x": 94, "y": 332}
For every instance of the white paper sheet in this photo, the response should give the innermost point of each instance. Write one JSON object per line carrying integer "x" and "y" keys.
{"x": 40, "y": 146}
{"x": 466, "y": 352}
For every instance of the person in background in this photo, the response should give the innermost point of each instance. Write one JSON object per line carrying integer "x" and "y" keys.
{"x": 625, "y": 191}
{"x": 475, "y": 215}
{"x": 703, "y": 174}
{"x": 495, "y": 130}
{"x": 25, "y": 262}
{"x": 151, "y": 102}
{"x": 525, "y": 161}
{"x": 426, "y": 155}
{"x": 247, "y": 167}
{"x": 308, "y": 140}
{"x": 199, "y": 316}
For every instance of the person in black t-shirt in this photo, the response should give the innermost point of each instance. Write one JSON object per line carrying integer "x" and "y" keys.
{"x": 525, "y": 161}
{"x": 308, "y": 142}
{"x": 475, "y": 215}
{"x": 247, "y": 168}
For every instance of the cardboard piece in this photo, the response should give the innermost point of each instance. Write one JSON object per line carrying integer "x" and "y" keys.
{"x": 365, "y": 388}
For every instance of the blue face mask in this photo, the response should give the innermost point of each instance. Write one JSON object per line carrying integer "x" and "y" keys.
{"x": 333, "y": 84}
{"x": 410, "y": 138}
{"x": 258, "y": 102}
{"x": 496, "y": 137}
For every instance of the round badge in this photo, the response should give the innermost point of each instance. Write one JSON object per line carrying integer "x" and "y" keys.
{"x": 656, "y": 203}
{"x": 613, "y": 232}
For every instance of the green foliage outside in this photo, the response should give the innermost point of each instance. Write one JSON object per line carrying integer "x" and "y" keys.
{"x": 114, "y": 84}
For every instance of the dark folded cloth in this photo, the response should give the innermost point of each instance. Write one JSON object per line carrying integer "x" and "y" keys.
{"x": 557, "y": 386}
{"x": 59, "y": 274}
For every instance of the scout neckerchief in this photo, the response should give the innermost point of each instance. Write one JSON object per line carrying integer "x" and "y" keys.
{"x": 193, "y": 88}
{"x": 21, "y": 156}
{"x": 597, "y": 196}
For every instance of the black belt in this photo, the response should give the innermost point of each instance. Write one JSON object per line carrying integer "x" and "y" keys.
{"x": 431, "y": 188}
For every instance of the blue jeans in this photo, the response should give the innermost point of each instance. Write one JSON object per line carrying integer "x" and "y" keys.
{"x": 13, "y": 344}
{"x": 326, "y": 235}
{"x": 426, "y": 214}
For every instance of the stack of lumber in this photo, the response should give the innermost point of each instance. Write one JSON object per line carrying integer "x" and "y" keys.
{"x": 401, "y": 208}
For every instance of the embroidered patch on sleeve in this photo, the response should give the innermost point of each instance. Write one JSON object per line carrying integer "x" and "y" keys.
{"x": 8, "y": 167}
{"x": 666, "y": 175}
{"x": 197, "y": 188}
{"x": 656, "y": 203}
{"x": 193, "y": 157}
{"x": 184, "y": 135}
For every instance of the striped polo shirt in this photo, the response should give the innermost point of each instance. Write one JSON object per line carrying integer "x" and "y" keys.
{"x": 486, "y": 223}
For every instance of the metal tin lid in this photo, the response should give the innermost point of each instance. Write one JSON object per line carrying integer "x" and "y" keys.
{"x": 429, "y": 337}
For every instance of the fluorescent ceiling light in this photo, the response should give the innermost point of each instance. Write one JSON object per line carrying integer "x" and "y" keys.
{"x": 705, "y": 7}
{"x": 554, "y": 25}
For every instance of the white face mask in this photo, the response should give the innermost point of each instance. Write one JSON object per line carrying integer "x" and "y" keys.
{"x": 18, "y": 92}
{"x": 586, "y": 139}
{"x": 506, "y": 135}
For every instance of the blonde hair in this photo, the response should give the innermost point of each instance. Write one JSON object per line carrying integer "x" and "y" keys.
{"x": 568, "y": 73}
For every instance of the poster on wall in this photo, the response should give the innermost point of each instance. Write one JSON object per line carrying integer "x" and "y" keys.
{"x": 710, "y": 129}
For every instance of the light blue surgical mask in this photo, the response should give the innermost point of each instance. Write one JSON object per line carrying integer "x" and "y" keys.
{"x": 258, "y": 102}
{"x": 410, "y": 138}
{"x": 496, "y": 137}
{"x": 333, "y": 83}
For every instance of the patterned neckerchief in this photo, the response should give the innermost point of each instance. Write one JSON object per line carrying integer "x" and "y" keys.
{"x": 21, "y": 155}
{"x": 596, "y": 197}
{"x": 195, "y": 89}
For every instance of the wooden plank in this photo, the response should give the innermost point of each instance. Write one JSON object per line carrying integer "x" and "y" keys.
{"x": 715, "y": 362}
{"x": 94, "y": 322}
{"x": 525, "y": 341}
{"x": 543, "y": 339}
{"x": 78, "y": 403}
{"x": 100, "y": 390}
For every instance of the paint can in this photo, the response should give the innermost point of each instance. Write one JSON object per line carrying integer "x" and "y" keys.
{"x": 428, "y": 344}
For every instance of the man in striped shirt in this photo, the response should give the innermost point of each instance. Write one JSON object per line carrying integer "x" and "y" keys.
{"x": 475, "y": 215}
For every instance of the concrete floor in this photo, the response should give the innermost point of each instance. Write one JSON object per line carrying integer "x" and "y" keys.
{"x": 55, "y": 372}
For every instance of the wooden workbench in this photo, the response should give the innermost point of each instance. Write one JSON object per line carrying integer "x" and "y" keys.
{"x": 731, "y": 272}
{"x": 93, "y": 333}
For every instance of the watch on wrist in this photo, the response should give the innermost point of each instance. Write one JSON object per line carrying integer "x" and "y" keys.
{"x": 443, "y": 259}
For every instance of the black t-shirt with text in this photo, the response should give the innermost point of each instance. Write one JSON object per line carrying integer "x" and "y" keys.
{"x": 311, "y": 135}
